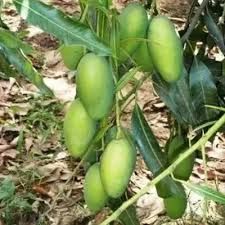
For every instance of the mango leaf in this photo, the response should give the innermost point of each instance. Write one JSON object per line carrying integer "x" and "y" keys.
{"x": 10, "y": 40}
{"x": 214, "y": 30}
{"x": 17, "y": 58}
{"x": 203, "y": 91}
{"x": 128, "y": 216}
{"x": 206, "y": 192}
{"x": 153, "y": 156}
{"x": 177, "y": 98}
{"x": 216, "y": 69}
{"x": 147, "y": 143}
{"x": 60, "y": 25}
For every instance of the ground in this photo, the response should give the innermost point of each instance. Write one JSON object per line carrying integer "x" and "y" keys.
{"x": 44, "y": 189}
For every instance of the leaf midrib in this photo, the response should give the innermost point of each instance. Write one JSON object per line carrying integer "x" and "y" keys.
{"x": 50, "y": 21}
{"x": 149, "y": 143}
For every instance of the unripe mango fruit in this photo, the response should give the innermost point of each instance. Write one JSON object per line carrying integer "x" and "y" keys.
{"x": 133, "y": 22}
{"x": 175, "y": 206}
{"x": 71, "y": 55}
{"x": 79, "y": 129}
{"x": 95, "y": 85}
{"x": 142, "y": 57}
{"x": 165, "y": 48}
{"x": 94, "y": 193}
{"x": 176, "y": 147}
{"x": 117, "y": 165}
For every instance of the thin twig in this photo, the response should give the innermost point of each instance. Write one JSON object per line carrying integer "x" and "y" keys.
{"x": 166, "y": 172}
{"x": 194, "y": 21}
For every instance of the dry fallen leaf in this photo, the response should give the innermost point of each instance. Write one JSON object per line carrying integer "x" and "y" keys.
{"x": 62, "y": 89}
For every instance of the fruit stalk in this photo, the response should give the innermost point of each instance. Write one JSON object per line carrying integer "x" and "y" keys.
{"x": 168, "y": 171}
{"x": 84, "y": 14}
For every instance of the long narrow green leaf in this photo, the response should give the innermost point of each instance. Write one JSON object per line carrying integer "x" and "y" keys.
{"x": 154, "y": 158}
{"x": 214, "y": 30}
{"x": 203, "y": 91}
{"x": 177, "y": 98}
{"x": 61, "y": 26}
{"x": 147, "y": 143}
{"x": 127, "y": 217}
{"x": 18, "y": 59}
{"x": 10, "y": 40}
{"x": 206, "y": 192}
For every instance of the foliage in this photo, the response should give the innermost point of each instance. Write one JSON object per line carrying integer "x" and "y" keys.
{"x": 184, "y": 77}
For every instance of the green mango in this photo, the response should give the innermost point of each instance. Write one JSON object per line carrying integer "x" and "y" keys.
{"x": 165, "y": 48}
{"x": 133, "y": 23}
{"x": 94, "y": 193}
{"x": 176, "y": 205}
{"x": 79, "y": 129}
{"x": 71, "y": 55}
{"x": 176, "y": 147}
{"x": 117, "y": 165}
{"x": 95, "y": 85}
{"x": 142, "y": 58}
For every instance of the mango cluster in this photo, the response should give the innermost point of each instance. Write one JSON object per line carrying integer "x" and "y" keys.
{"x": 152, "y": 44}
{"x": 109, "y": 177}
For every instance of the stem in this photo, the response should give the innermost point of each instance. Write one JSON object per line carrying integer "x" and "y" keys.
{"x": 118, "y": 117}
{"x": 166, "y": 172}
{"x": 114, "y": 47}
{"x": 206, "y": 180}
{"x": 84, "y": 14}
{"x": 98, "y": 24}
{"x": 194, "y": 21}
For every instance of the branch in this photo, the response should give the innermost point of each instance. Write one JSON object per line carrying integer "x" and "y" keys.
{"x": 194, "y": 21}
{"x": 166, "y": 172}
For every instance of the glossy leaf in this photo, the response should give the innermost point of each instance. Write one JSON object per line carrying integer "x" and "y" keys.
{"x": 203, "y": 91}
{"x": 214, "y": 30}
{"x": 206, "y": 192}
{"x": 147, "y": 143}
{"x": 129, "y": 216}
{"x": 154, "y": 158}
{"x": 61, "y": 26}
{"x": 177, "y": 98}
{"x": 10, "y": 40}
{"x": 216, "y": 68}
{"x": 22, "y": 64}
